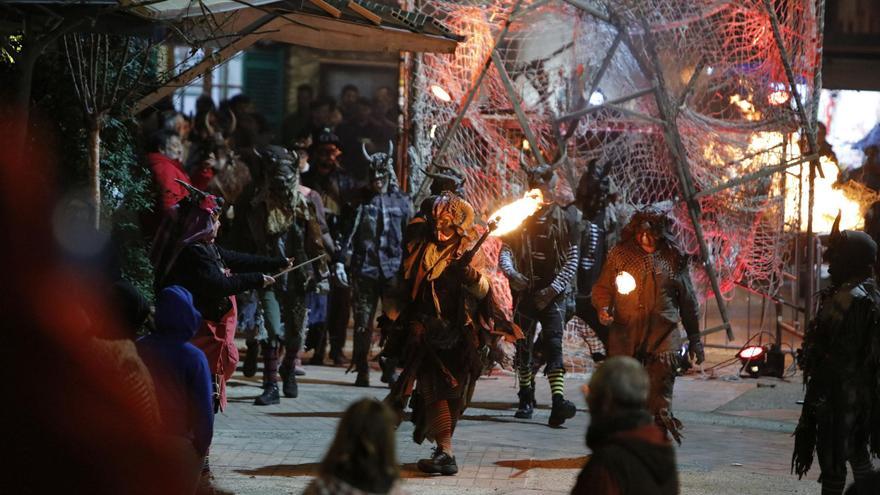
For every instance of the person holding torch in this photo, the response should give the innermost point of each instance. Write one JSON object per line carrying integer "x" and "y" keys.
{"x": 540, "y": 259}
{"x": 643, "y": 292}
{"x": 449, "y": 326}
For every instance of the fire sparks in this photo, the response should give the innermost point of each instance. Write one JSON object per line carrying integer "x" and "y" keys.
{"x": 625, "y": 283}
{"x": 746, "y": 107}
{"x": 510, "y": 216}
{"x": 779, "y": 97}
{"x": 829, "y": 199}
{"x": 767, "y": 148}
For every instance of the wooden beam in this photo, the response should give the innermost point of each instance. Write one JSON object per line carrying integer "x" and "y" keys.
{"x": 364, "y": 12}
{"x": 334, "y": 34}
{"x": 208, "y": 63}
{"x": 326, "y": 7}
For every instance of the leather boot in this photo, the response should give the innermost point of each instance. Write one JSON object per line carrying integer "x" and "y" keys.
{"x": 360, "y": 354}
{"x": 270, "y": 376}
{"x": 249, "y": 368}
{"x": 288, "y": 374}
{"x": 269, "y": 396}
{"x": 562, "y": 410}
{"x": 320, "y": 339}
{"x": 389, "y": 371}
{"x": 526, "y": 407}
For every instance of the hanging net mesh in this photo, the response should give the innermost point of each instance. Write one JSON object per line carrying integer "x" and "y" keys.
{"x": 720, "y": 68}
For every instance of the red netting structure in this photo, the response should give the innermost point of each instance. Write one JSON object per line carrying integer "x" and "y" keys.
{"x": 720, "y": 71}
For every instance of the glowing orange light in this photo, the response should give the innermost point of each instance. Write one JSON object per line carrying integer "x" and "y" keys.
{"x": 625, "y": 283}
{"x": 777, "y": 98}
{"x": 829, "y": 199}
{"x": 440, "y": 93}
{"x": 510, "y": 216}
{"x": 525, "y": 145}
{"x": 746, "y": 106}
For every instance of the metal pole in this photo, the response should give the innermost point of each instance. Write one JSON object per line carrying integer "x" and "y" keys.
{"x": 810, "y": 129}
{"x": 677, "y": 150}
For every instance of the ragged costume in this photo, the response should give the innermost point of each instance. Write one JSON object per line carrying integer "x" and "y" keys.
{"x": 282, "y": 222}
{"x": 840, "y": 420}
{"x": 448, "y": 329}
{"x": 645, "y": 292}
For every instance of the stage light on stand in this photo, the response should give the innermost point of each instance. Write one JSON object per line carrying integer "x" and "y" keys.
{"x": 753, "y": 359}
{"x": 440, "y": 93}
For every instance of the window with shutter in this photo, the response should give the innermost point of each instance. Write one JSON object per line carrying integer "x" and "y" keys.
{"x": 264, "y": 83}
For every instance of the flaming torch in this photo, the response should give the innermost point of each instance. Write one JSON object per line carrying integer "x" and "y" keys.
{"x": 509, "y": 217}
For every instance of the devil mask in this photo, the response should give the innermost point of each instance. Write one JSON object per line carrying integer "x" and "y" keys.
{"x": 850, "y": 254}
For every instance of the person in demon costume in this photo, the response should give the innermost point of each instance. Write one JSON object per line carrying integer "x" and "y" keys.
{"x": 540, "y": 262}
{"x": 281, "y": 221}
{"x": 643, "y": 292}
{"x": 449, "y": 328}
{"x": 593, "y": 196}
{"x": 375, "y": 247}
{"x": 840, "y": 419}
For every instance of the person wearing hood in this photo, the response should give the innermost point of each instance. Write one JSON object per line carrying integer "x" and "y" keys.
{"x": 631, "y": 454}
{"x": 185, "y": 253}
{"x": 181, "y": 376}
{"x": 644, "y": 294}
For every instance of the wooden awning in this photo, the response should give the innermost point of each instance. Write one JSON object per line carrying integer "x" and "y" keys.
{"x": 353, "y": 25}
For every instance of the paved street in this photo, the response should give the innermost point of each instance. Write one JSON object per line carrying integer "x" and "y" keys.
{"x": 738, "y": 438}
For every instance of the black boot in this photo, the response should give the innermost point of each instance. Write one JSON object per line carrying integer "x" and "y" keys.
{"x": 526, "y": 406}
{"x": 439, "y": 463}
{"x": 288, "y": 375}
{"x": 389, "y": 371}
{"x": 269, "y": 395}
{"x": 318, "y": 334}
{"x": 562, "y": 410}
{"x": 250, "y": 359}
{"x": 360, "y": 354}
{"x": 270, "y": 375}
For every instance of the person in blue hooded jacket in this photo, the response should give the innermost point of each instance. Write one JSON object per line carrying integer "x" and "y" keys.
{"x": 180, "y": 372}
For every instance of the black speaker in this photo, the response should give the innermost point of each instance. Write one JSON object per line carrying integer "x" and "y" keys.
{"x": 775, "y": 365}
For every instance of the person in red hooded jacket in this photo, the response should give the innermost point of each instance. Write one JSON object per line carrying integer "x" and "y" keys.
{"x": 166, "y": 168}
{"x": 631, "y": 454}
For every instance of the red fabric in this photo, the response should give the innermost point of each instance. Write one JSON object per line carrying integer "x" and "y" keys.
{"x": 165, "y": 171}
{"x": 201, "y": 176}
{"x": 597, "y": 479}
{"x": 217, "y": 341}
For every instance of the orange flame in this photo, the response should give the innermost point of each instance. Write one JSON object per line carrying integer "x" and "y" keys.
{"x": 746, "y": 106}
{"x": 510, "y": 216}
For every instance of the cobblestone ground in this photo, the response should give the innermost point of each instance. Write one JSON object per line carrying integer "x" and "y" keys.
{"x": 738, "y": 438}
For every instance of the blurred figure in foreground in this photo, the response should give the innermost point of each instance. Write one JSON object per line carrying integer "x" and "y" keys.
{"x": 362, "y": 457}
{"x": 631, "y": 454}
{"x": 183, "y": 381}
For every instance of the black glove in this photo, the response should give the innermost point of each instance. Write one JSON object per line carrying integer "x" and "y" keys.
{"x": 544, "y": 297}
{"x": 517, "y": 281}
{"x": 695, "y": 350}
